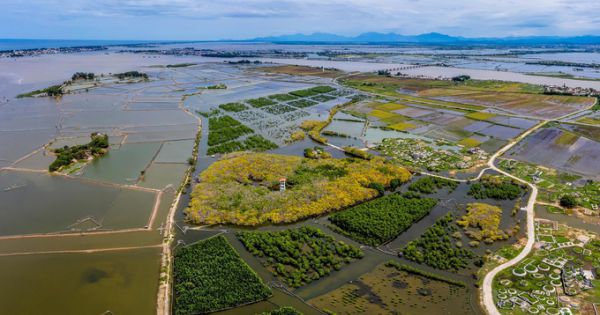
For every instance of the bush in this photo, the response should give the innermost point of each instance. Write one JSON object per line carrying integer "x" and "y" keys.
{"x": 227, "y": 147}
{"x": 482, "y": 222}
{"x": 227, "y": 134}
{"x": 82, "y": 76}
{"x": 283, "y": 97}
{"x": 278, "y": 109}
{"x": 568, "y": 201}
{"x": 303, "y": 103}
{"x": 379, "y": 187}
{"x": 131, "y": 74}
{"x": 316, "y": 153}
{"x": 356, "y": 152}
{"x": 297, "y": 135}
{"x": 54, "y": 90}
{"x": 223, "y": 129}
{"x": 258, "y": 143}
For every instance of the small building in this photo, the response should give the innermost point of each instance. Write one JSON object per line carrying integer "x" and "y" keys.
{"x": 282, "y": 184}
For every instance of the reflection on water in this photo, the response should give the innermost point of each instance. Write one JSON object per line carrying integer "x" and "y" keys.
{"x": 40, "y": 203}
{"x": 121, "y": 282}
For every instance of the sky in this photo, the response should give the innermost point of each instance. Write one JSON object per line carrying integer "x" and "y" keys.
{"x": 243, "y": 19}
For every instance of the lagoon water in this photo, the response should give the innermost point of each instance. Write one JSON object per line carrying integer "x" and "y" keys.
{"x": 152, "y": 128}
{"x": 24, "y": 44}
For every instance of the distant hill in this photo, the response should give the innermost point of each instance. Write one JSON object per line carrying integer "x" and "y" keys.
{"x": 428, "y": 38}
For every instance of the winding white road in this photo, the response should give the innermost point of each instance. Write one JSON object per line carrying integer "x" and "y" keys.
{"x": 487, "y": 288}
{"x": 487, "y": 298}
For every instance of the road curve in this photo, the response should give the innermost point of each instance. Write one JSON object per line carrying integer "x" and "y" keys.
{"x": 488, "y": 296}
{"x": 487, "y": 288}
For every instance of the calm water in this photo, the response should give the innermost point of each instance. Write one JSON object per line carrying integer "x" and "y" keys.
{"x": 121, "y": 282}
{"x": 20, "y": 44}
{"x": 157, "y": 138}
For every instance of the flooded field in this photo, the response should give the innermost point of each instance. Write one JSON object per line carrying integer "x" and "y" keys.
{"x": 122, "y": 282}
{"x": 88, "y": 239}
{"x": 564, "y": 149}
{"x": 386, "y": 290}
{"x": 63, "y": 204}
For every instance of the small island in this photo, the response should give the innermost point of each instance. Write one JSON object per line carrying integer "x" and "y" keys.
{"x": 131, "y": 75}
{"x": 84, "y": 81}
{"x": 65, "y": 156}
{"x": 258, "y": 188}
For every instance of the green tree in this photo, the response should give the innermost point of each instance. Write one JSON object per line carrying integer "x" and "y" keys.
{"x": 568, "y": 201}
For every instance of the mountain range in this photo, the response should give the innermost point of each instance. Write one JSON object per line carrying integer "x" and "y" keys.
{"x": 428, "y": 38}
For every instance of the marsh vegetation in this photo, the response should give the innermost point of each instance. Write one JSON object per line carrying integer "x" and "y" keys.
{"x": 243, "y": 188}
{"x": 299, "y": 256}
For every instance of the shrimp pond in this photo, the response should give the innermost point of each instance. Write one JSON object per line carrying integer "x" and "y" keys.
{"x": 331, "y": 207}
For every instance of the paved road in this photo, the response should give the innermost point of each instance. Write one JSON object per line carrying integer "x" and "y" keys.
{"x": 487, "y": 289}
{"x": 488, "y": 296}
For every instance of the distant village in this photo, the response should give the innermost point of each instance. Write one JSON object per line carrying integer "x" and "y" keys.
{"x": 48, "y": 51}
{"x": 565, "y": 90}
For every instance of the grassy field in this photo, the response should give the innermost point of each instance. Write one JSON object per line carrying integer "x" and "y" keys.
{"x": 388, "y": 106}
{"x": 473, "y": 95}
{"x": 303, "y": 71}
{"x": 402, "y": 126}
{"x": 469, "y": 142}
{"x": 480, "y": 116}
{"x": 590, "y": 121}
{"x": 381, "y": 114}
{"x": 566, "y": 139}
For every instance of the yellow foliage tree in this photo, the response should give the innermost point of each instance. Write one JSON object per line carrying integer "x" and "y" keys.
{"x": 243, "y": 188}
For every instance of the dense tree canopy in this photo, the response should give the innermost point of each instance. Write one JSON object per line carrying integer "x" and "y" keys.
{"x": 568, "y": 201}
{"x": 382, "y": 219}
{"x": 430, "y": 184}
{"x": 436, "y": 249}
{"x": 496, "y": 187}
{"x": 66, "y": 155}
{"x": 243, "y": 188}
{"x": 210, "y": 276}
{"x": 299, "y": 256}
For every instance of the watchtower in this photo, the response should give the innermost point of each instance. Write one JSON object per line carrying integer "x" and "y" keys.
{"x": 282, "y": 184}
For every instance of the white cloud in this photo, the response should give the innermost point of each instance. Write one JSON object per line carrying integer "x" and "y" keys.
{"x": 268, "y": 17}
